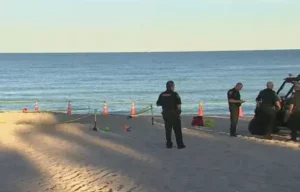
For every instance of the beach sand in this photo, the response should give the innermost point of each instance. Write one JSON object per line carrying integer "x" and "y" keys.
{"x": 38, "y": 153}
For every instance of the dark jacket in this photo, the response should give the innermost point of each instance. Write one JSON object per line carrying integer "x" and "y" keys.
{"x": 234, "y": 94}
{"x": 267, "y": 98}
{"x": 169, "y": 101}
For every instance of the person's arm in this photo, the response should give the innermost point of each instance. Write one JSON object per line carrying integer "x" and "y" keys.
{"x": 291, "y": 107}
{"x": 258, "y": 99}
{"x": 278, "y": 105}
{"x": 159, "y": 101}
{"x": 292, "y": 104}
{"x": 277, "y": 101}
{"x": 178, "y": 102}
{"x": 231, "y": 99}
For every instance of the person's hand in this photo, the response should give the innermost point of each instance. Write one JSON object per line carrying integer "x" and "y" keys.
{"x": 178, "y": 111}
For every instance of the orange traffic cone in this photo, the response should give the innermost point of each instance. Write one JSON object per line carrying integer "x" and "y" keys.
{"x": 36, "y": 107}
{"x": 200, "y": 110}
{"x": 24, "y": 110}
{"x": 69, "y": 111}
{"x": 104, "y": 112}
{"x": 241, "y": 112}
{"x": 132, "y": 110}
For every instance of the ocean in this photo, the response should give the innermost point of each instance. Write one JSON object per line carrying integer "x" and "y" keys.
{"x": 89, "y": 79}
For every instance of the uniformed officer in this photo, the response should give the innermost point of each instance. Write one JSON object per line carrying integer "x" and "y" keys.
{"x": 234, "y": 102}
{"x": 267, "y": 100}
{"x": 171, "y": 106}
{"x": 294, "y": 121}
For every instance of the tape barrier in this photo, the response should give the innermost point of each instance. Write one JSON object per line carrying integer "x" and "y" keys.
{"x": 141, "y": 112}
{"x": 186, "y": 102}
{"x": 138, "y": 113}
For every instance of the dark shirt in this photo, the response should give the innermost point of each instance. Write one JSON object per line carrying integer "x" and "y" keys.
{"x": 169, "y": 100}
{"x": 267, "y": 97}
{"x": 233, "y": 94}
{"x": 296, "y": 100}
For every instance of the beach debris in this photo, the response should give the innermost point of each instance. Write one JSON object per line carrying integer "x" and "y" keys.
{"x": 105, "y": 129}
{"x": 126, "y": 128}
{"x": 209, "y": 122}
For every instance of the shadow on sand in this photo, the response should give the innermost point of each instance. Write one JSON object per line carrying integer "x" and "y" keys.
{"x": 138, "y": 161}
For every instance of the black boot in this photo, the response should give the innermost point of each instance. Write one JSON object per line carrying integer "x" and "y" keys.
{"x": 169, "y": 145}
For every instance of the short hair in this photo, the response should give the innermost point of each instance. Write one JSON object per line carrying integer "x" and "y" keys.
{"x": 169, "y": 84}
{"x": 239, "y": 84}
{"x": 270, "y": 84}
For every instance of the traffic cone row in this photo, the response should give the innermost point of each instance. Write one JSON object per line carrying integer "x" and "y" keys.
{"x": 200, "y": 111}
{"x": 69, "y": 110}
{"x": 36, "y": 107}
{"x": 132, "y": 109}
{"x": 105, "y": 111}
{"x": 241, "y": 112}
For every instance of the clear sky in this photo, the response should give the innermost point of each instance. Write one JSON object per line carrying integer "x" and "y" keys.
{"x": 148, "y": 25}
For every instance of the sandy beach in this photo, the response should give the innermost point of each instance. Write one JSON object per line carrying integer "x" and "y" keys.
{"x": 39, "y": 152}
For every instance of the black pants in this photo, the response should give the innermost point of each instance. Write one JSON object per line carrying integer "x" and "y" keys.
{"x": 268, "y": 114}
{"x": 234, "y": 118}
{"x": 173, "y": 121}
{"x": 294, "y": 124}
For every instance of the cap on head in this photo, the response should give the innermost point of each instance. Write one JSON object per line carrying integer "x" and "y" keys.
{"x": 270, "y": 85}
{"x": 170, "y": 85}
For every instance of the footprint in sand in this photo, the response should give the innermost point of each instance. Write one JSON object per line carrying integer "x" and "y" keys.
{"x": 120, "y": 187}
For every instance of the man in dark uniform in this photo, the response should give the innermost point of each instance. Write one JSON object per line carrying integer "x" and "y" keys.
{"x": 294, "y": 121}
{"x": 171, "y": 105}
{"x": 234, "y": 102}
{"x": 266, "y": 101}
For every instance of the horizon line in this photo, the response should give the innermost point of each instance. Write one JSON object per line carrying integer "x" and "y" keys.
{"x": 102, "y": 52}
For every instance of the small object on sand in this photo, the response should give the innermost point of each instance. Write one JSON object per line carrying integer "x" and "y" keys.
{"x": 106, "y": 129}
{"x": 197, "y": 121}
{"x": 209, "y": 122}
{"x": 127, "y": 128}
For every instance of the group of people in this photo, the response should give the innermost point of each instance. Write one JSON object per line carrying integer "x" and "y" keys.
{"x": 267, "y": 101}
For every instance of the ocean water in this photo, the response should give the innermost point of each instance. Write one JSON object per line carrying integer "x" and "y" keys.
{"x": 89, "y": 79}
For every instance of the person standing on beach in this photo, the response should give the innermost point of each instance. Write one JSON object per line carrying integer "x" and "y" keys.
{"x": 267, "y": 100}
{"x": 294, "y": 108}
{"x": 234, "y": 102}
{"x": 171, "y": 106}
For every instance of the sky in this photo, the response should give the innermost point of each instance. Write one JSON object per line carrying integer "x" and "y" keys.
{"x": 148, "y": 25}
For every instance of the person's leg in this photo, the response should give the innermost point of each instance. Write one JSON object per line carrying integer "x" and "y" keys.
{"x": 234, "y": 116}
{"x": 178, "y": 133}
{"x": 287, "y": 115}
{"x": 294, "y": 125}
{"x": 270, "y": 117}
{"x": 168, "y": 130}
